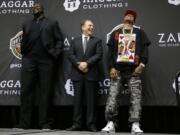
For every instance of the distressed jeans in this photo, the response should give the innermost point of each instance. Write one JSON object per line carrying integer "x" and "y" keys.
{"x": 116, "y": 88}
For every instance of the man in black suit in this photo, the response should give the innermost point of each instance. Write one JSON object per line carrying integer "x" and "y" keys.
{"x": 85, "y": 53}
{"x": 42, "y": 42}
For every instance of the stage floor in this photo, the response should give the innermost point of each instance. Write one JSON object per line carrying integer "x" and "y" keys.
{"x": 61, "y": 132}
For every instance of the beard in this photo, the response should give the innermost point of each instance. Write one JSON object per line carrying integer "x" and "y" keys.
{"x": 127, "y": 21}
{"x": 37, "y": 14}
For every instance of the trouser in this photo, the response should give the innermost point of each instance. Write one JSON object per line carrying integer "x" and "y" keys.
{"x": 116, "y": 88}
{"x": 36, "y": 72}
{"x": 85, "y": 89}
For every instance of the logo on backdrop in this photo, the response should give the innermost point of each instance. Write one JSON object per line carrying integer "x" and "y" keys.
{"x": 16, "y": 6}
{"x": 73, "y": 5}
{"x": 174, "y": 2}
{"x": 15, "y": 45}
{"x": 15, "y": 65}
{"x": 174, "y": 85}
{"x": 103, "y": 87}
{"x": 10, "y": 87}
{"x": 66, "y": 44}
{"x": 69, "y": 87}
{"x": 169, "y": 39}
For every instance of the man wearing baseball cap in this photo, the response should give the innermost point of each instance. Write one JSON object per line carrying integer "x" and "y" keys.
{"x": 128, "y": 56}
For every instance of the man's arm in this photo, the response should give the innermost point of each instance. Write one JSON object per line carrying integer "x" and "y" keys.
{"x": 59, "y": 40}
{"x": 111, "y": 51}
{"x": 144, "y": 54}
{"x": 72, "y": 56}
{"x": 111, "y": 56}
{"x": 23, "y": 40}
{"x": 145, "y": 44}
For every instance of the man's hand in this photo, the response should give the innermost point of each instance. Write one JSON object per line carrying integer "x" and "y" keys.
{"x": 138, "y": 71}
{"x": 114, "y": 73}
{"x": 19, "y": 50}
{"x": 85, "y": 70}
{"x": 83, "y": 66}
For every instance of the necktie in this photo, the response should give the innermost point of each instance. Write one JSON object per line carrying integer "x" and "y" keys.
{"x": 85, "y": 43}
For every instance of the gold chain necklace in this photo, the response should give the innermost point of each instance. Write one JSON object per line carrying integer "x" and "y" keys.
{"x": 127, "y": 31}
{"x": 128, "y": 34}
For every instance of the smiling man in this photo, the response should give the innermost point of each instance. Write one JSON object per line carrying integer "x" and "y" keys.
{"x": 85, "y": 53}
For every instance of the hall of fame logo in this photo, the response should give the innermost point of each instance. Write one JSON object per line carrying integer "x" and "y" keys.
{"x": 15, "y": 45}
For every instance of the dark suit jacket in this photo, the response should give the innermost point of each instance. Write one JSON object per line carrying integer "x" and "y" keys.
{"x": 92, "y": 56}
{"x": 50, "y": 35}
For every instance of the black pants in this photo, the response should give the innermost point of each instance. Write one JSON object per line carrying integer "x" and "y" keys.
{"x": 85, "y": 89}
{"x": 36, "y": 72}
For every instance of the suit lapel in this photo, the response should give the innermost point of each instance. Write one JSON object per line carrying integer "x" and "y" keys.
{"x": 80, "y": 44}
{"x": 89, "y": 43}
{"x": 44, "y": 22}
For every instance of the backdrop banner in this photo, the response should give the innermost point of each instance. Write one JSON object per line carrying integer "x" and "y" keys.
{"x": 159, "y": 19}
